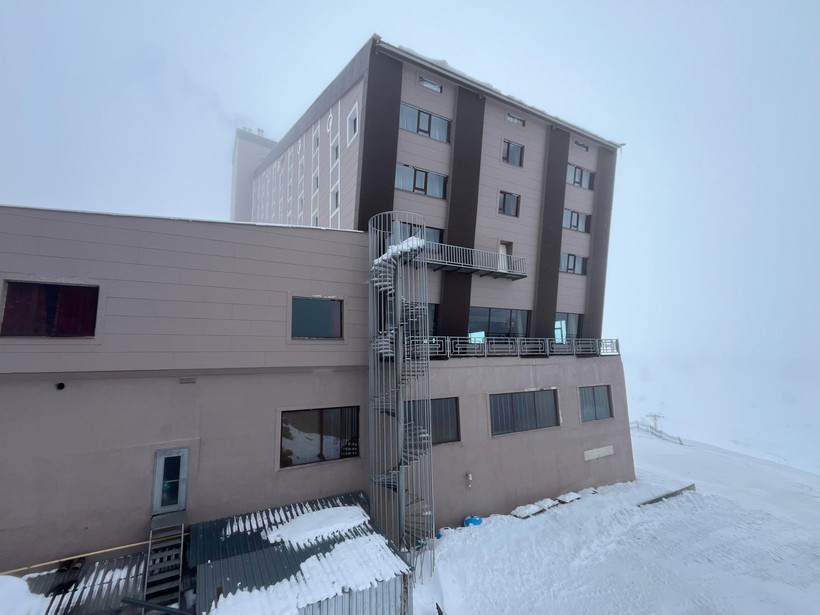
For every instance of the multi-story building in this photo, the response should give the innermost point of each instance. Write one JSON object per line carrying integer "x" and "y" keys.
{"x": 152, "y": 365}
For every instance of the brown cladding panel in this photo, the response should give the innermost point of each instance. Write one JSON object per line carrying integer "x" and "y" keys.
{"x": 381, "y": 137}
{"x": 596, "y": 277}
{"x": 454, "y": 310}
{"x": 555, "y": 186}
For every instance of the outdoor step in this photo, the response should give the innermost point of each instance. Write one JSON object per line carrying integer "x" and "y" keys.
{"x": 163, "y": 588}
{"x": 160, "y": 565}
{"x": 170, "y": 574}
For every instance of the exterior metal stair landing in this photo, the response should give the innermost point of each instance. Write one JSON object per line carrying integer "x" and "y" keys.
{"x": 163, "y": 569}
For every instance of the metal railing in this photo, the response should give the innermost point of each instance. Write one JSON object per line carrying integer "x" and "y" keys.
{"x": 443, "y": 347}
{"x": 469, "y": 260}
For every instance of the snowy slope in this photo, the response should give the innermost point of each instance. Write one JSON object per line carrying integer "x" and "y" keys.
{"x": 747, "y": 541}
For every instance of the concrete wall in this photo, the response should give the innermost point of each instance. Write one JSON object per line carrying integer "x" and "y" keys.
{"x": 524, "y": 467}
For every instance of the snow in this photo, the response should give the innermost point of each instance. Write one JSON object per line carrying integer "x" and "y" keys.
{"x": 320, "y": 524}
{"x": 353, "y": 565}
{"x": 411, "y": 244}
{"x": 745, "y": 542}
{"x": 16, "y": 599}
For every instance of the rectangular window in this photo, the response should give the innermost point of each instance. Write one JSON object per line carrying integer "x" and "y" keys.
{"x": 421, "y": 122}
{"x": 315, "y": 182}
{"x": 508, "y": 203}
{"x": 300, "y": 205}
{"x": 512, "y": 153}
{"x": 316, "y": 318}
{"x": 576, "y": 221}
{"x": 49, "y": 310}
{"x": 170, "y": 480}
{"x": 511, "y": 412}
{"x": 514, "y": 119}
{"x": 315, "y": 139}
{"x": 315, "y": 220}
{"x": 497, "y": 322}
{"x": 430, "y": 85}
{"x": 580, "y": 177}
{"x": 353, "y": 123}
{"x": 443, "y": 418}
{"x": 582, "y": 146}
{"x": 301, "y": 169}
{"x": 420, "y": 181}
{"x": 325, "y": 434}
{"x": 567, "y": 326}
{"x": 334, "y": 151}
{"x": 431, "y": 233}
{"x": 572, "y": 263}
{"x": 432, "y": 318}
{"x": 334, "y": 200}
{"x": 595, "y": 403}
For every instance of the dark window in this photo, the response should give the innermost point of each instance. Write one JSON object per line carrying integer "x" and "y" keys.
{"x": 582, "y": 146}
{"x": 420, "y": 181}
{"x": 49, "y": 310}
{"x": 431, "y": 233}
{"x": 432, "y": 318}
{"x": 309, "y": 436}
{"x": 508, "y": 203}
{"x": 572, "y": 263}
{"x": 443, "y": 417}
{"x": 512, "y": 153}
{"x": 510, "y": 412}
{"x": 567, "y": 326}
{"x": 576, "y": 221}
{"x": 498, "y": 322}
{"x": 419, "y": 121}
{"x": 580, "y": 177}
{"x": 595, "y": 403}
{"x": 319, "y": 318}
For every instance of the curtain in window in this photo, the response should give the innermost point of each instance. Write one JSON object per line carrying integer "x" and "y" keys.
{"x": 440, "y": 129}
{"x": 436, "y": 185}
{"x": 404, "y": 177}
{"x": 408, "y": 118}
{"x": 501, "y": 411}
{"x": 444, "y": 415}
{"x": 25, "y": 312}
{"x": 546, "y": 414}
{"x": 602, "y": 410}
{"x": 587, "y": 403}
{"x": 76, "y": 312}
{"x": 524, "y": 411}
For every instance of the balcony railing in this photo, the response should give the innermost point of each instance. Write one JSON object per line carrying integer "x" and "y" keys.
{"x": 445, "y": 257}
{"x": 441, "y": 347}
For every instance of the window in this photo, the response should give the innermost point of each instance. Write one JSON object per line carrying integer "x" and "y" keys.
{"x": 310, "y": 436}
{"x": 582, "y": 146}
{"x": 334, "y": 152}
{"x": 431, "y": 233}
{"x": 424, "y": 123}
{"x": 576, "y": 221}
{"x": 497, "y": 322}
{"x": 300, "y": 205}
{"x": 49, "y": 310}
{"x": 511, "y": 412}
{"x": 508, "y": 203}
{"x": 572, "y": 263}
{"x": 315, "y": 139}
{"x": 580, "y": 177}
{"x": 353, "y": 123}
{"x": 316, "y": 318}
{"x": 170, "y": 480}
{"x": 595, "y": 403}
{"x": 334, "y": 200}
{"x": 514, "y": 119}
{"x": 512, "y": 153}
{"x": 567, "y": 326}
{"x": 432, "y": 319}
{"x": 443, "y": 418}
{"x": 430, "y": 85}
{"x": 315, "y": 220}
{"x": 420, "y": 181}
{"x": 301, "y": 169}
{"x": 315, "y": 182}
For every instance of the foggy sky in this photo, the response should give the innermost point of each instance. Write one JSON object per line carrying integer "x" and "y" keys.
{"x": 713, "y": 281}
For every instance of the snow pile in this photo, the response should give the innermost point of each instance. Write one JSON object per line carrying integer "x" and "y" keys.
{"x": 317, "y": 525}
{"x": 745, "y": 542}
{"x": 16, "y": 599}
{"x": 353, "y": 565}
{"x": 411, "y": 244}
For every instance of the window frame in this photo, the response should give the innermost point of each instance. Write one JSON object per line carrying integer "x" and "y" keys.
{"x": 473, "y": 317}
{"x": 516, "y": 120}
{"x": 429, "y": 84}
{"x": 575, "y": 218}
{"x": 429, "y": 133}
{"x": 342, "y": 456}
{"x": 160, "y": 456}
{"x": 51, "y": 310}
{"x": 317, "y": 338}
{"x": 570, "y": 263}
{"x": 354, "y": 116}
{"x": 580, "y": 177}
{"x": 517, "y": 406}
{"x": 506, "y": 148}
{"x": 436, "y": 407}
{"x": 595, "y": 389}
{"x": 421, "y": 181}
{"x": 502, "y": 203}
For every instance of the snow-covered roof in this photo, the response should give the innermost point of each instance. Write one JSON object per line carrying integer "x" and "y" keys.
{"x": 290, "y": 557}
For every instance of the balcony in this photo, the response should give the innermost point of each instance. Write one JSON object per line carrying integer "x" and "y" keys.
{"x": 445, "y": 257}
{"x": 441, "y": 347}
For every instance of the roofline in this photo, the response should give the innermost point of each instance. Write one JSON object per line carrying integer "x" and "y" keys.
{"x": 489, "y": 92}
{"x": 247, "y": 135}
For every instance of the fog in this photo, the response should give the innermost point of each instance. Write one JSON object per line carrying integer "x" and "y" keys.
{"x": 713, "y": 269}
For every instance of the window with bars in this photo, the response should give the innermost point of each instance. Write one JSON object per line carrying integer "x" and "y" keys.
{"x": 523, "y": 411}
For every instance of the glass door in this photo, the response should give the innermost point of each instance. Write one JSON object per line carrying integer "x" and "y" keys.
{"x": 170, "y": 480}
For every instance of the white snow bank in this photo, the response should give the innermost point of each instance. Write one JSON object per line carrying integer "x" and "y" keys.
{"x": 319, "y": 524}
{"x": 16, "y": 599}
{"x": 353, "y": 565}
{"x": 568, "y": 497}
{"x": 411, "y": 244}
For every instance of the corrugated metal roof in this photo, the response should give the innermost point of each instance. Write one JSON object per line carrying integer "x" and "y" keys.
{"x": 233, "y": 553}
{"x": 100, "y": 586}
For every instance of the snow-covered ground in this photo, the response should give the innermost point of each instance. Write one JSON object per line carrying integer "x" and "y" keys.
{"x": 747, "y": 541}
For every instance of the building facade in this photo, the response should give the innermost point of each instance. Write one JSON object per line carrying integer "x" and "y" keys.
{"x": 151, "y": 365}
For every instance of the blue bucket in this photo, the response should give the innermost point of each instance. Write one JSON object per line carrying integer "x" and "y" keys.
{"x": 472, "y": 520}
